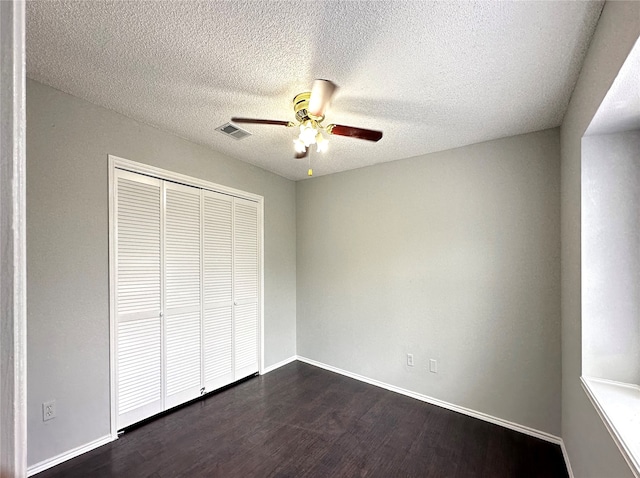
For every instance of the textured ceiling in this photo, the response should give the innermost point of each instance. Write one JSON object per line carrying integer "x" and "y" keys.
{"x": 431, "y": 75}
{"x": 620, "y": 109}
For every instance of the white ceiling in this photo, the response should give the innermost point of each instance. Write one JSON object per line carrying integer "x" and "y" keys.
{"x": 620, "y": 109}
{"x": 431, "y": 75}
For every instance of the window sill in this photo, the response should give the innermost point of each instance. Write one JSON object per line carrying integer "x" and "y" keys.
{"x": 618, "y": 404}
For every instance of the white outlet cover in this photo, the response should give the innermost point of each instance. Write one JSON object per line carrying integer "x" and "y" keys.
{"x": 48, "y": 410}
{"x": 410, "y": 360}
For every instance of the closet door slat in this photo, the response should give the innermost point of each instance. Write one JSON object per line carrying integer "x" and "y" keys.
{"x": 218, "y": 290}
{"x": 245, "y": 286}
{"x": 138, "y": 297}
{"x": 182, "y": 262}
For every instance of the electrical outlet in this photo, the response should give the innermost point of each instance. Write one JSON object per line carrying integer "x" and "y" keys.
{"x": 48, "y": 410}
{"x": 433, "y": 366}
{"x": 410, "y": 360}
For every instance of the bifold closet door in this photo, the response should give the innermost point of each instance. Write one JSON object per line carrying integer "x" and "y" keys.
{"x": 218, "y": 290}
{"x": 182, "y": 297}
{"x": 138, "y": 298}
{"x": 246, "y": 286}
{"x": 187, "y": 293}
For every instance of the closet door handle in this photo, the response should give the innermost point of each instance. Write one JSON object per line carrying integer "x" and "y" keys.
{"x": 235, "y": 302}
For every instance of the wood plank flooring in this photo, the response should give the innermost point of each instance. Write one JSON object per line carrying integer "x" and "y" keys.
{"x": 302, "y": 421}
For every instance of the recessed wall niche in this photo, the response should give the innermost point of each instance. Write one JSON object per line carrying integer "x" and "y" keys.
{"x": 610, "y": 228}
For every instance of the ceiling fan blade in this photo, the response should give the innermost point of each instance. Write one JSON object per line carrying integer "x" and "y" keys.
{"x": 360, "y": 133}
{"x": 261, "y": 121}
{"x": 302, "y": 155}
{"x": 321, "y": 93}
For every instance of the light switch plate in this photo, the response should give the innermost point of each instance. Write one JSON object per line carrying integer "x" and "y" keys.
{"x": 433, "y": 366}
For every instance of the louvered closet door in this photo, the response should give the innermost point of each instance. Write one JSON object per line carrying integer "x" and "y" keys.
{"x": 218, "y": 290}
{"x": 183, "y": 372}
{"x": 245, "y": 287}
{"x": 138, "y": 297}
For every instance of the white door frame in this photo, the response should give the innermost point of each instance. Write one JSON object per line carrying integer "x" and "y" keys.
{"x": 133, "y": 166}
{"x": 13, "y": 270}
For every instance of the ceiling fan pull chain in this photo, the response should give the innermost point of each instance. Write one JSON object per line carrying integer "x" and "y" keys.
{"x": 310, "y": 172}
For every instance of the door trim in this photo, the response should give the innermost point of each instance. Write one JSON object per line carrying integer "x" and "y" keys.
{"x": 13, "y": 267}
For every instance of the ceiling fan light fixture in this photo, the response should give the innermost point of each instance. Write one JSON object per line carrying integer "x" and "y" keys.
{"x": 322, "y": 143}
{"x": 308, "y": 133}
{"x": 309, "y": 108}
{"x": 299, "y": 145}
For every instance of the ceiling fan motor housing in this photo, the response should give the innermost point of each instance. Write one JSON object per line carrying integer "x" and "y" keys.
{"x": 301, "y": 107}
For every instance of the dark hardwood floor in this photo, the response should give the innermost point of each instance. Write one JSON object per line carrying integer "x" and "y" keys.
{"x": 302, "y": 421}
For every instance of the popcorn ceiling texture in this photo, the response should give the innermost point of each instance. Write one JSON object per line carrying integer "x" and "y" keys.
{"x": 432, "y": 76}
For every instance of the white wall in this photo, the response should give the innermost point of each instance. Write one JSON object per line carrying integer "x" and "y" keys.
{"x": 453, "y": 256}
{"x": 68, "y": 141}
{"x": 591, "y": 449}
{"x": 611, "y": 256}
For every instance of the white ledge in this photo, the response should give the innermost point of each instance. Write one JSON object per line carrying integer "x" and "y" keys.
{"x": 618, "y": 404}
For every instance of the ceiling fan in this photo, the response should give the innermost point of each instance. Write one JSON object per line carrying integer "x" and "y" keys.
{"x": 309, "y": 108}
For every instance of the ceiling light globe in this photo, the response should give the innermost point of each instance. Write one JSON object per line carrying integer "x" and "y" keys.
{"x": 308, "y": 136}
{"x": 299, "y": 146}
{"x": 322, "y": 143}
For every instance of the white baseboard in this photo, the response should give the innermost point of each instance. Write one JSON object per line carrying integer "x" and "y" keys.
{"x": 46, "y": 464}
{"x": 56, "y": 460}
{"x": 440, "y": 403}
{"x": 566, "y": 459}
{"x": 286, "y": 361}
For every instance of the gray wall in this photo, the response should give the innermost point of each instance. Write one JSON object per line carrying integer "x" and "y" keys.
{"x": 453, "y": 256}
{"x": 611, "y": 256}
{"x": 68, "y": 141}
{"x": 591, "y": 449}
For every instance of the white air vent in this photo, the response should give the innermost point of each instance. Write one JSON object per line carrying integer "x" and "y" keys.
{"x": 233, "y": 131}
